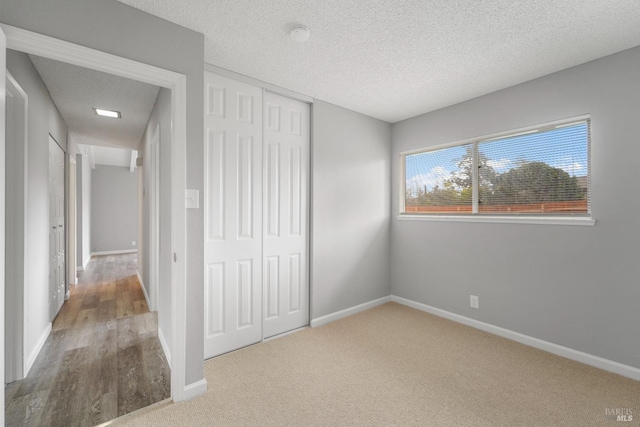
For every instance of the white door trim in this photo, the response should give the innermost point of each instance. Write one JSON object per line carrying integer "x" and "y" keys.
{"x": 154, "y": 219}
{"x": 48, "y": 47}
{"x": 3, "y": 68}
{"x": 72, "y": 278}
{"x": 17, "y": 268}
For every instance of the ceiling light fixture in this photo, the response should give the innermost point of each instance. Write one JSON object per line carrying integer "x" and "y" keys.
{"x": 107, "y": 113}
{"x": 300, "y": 33}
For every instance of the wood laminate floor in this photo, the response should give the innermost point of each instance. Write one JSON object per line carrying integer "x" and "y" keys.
{"x": 102, "y": 359}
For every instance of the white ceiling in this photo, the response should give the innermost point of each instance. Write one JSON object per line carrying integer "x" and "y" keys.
{"x": 75, "y": 90}
{"x": 395, "y": 59}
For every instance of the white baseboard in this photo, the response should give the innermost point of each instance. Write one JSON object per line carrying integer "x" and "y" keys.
{"x": 195, "y": 389}
{"x": 36, "y": 350}
{"x": 165, "y": 347}
{"x": 559, "y": 350}
{"x": 323, "y": 320}
{"x": 123, "y": 251}
{"x": 83, "y": 266}
{"x": 144, "y": 290}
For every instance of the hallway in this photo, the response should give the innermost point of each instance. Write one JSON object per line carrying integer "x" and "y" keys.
{"x": 102, "y": 359}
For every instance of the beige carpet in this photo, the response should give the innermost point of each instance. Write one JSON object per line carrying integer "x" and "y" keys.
{"x": 393, "y": 365}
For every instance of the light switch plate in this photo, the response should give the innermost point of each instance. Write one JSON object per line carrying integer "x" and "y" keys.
{"x": 192, "y": 199}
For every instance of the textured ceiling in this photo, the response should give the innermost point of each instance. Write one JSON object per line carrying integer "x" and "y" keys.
{"x": 397, "y": 59}
{"x": 75, "y": 90}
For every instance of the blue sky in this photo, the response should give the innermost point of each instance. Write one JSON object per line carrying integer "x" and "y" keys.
{"x": 564, "y": 148}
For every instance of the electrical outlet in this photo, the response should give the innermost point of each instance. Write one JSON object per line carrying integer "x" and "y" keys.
{"x": 473, "y": 301}
{"x": 133, "y": 243}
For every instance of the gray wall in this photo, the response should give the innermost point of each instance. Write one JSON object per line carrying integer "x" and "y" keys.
{"x": 160, "y": 116}
{"x": 350, "y": 209}
{"x": 573, "y": 286}
{"x": 43, "y": 119}
{"x": 114, "y": 209}
{"x": 113, "y": 27}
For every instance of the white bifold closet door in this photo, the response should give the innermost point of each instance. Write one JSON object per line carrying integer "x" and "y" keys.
{"x": 286, "y": 212}
{"x": 233, "y": 215}
{"x": 256, "y": 214}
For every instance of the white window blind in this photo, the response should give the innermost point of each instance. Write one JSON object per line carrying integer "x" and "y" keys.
{"x": 440, "y": 181}
{"x": 543, "y": 171}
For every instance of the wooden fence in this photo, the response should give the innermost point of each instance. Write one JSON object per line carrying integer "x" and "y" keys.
{"x": 576, "y": 206}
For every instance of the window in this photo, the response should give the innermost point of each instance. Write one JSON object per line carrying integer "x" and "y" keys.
{"x": 541, "y": 171}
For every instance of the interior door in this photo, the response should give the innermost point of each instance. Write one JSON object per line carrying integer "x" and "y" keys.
{"x": 286, "y": 209}
{"x": 56, "y": 227}
{"x": 233, "y": 215}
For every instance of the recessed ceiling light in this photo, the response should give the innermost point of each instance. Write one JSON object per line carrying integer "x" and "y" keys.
{"x": 300, "y": 33}
{"x": 107, "y": 113}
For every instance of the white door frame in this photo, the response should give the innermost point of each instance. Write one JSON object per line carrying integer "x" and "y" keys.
{"x": 16, "y": 268}
{"x": 49, "y": 47}
{"x": 3, "y": 69}
{"x": 72, "y": 278}
{"x": 154, "y": 219}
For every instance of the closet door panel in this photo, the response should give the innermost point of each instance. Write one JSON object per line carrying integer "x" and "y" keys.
{"x": 286, "y": 201}
{"x": 233, "y": 214}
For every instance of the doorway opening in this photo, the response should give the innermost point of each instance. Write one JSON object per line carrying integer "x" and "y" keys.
{"x": 35, "y": 44}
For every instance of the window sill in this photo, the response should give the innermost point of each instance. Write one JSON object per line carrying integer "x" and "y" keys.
{"x": 584, "y": 221}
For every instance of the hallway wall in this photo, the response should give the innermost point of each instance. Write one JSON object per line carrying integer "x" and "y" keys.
{"x": 160, "y": 116}
{"x": 43, "y": 119}
{"x": 114, "y": 209}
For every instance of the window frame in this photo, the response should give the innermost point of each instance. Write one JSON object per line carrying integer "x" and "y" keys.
{"x": 515, "y": 218}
